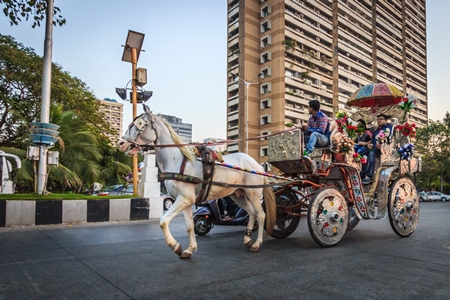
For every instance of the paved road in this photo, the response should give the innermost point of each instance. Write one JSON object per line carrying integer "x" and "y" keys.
{"x": 131, "y": 261}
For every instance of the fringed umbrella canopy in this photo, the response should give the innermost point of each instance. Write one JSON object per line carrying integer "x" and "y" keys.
{"x": 376, "y": 94}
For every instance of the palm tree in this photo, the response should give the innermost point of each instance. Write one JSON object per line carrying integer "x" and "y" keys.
{"x": 79, "y": 154}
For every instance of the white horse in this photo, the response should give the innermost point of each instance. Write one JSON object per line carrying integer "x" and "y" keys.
{"x": 148, "y": 129}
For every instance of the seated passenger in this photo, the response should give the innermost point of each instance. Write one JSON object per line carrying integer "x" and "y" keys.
{"x": 316, "y": 133}
{"x": 375, "y": 146}
{"x": 362, "y": 141}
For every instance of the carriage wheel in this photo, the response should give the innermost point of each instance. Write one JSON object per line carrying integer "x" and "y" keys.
{"x": 287, "y": 219}
{"x": 327, "y": 217}
{"x": 403, "y": 207}
{"x": 353, "y": 219}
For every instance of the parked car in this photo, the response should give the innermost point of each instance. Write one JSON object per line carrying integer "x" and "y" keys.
{"x": 167, "y": 201}
{"x": 436, "y": 196}
{"x": 106, "y": 190}
{"x": 423, "y": 196}
{"x": 120, "y": 189}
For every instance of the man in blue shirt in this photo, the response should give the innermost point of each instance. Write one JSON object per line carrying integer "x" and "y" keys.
{"x": 317, "y": 133}
{"x": 375, "y": 146}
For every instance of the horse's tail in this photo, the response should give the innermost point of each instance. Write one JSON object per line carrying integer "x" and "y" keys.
{"x": 271, "y": 206}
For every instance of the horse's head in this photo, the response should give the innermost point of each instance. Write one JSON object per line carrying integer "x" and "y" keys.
{"x": 140, "y": 132}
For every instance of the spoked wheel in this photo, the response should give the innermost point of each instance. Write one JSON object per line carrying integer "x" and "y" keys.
{"x": 288, "y": 214}
{"x": 327, "y": 217}
{"x": 202, "y": 225}
{"x": 403, "y": 207}
{"x": 353, "y": 219}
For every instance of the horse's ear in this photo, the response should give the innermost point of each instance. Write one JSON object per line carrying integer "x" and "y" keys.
{"x": 147, "y": 109}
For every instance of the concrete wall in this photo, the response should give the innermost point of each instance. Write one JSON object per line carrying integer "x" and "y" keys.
{"x": 42, "y": 212}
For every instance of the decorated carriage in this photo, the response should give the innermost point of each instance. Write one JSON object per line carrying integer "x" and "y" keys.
{"x": 326, "y": 186}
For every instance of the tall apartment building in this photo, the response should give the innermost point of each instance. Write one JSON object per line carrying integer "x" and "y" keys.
{"x": 322, "y": 49}
{"x": 113, "y": 111}
{"x": 184, "y": 130}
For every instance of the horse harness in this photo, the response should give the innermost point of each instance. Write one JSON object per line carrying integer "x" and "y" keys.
{"x": 207, "y": 157}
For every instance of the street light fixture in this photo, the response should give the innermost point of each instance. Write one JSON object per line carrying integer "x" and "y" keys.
{"x": 131, "y": 51}
{"x": 141, "y": 95}
{"x": 247, "y": 84}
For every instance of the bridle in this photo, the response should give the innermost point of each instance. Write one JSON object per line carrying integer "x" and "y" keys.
{"x": 141, "y": 122}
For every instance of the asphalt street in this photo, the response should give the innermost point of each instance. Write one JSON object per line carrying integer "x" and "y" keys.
{"x": 131, "y": 261}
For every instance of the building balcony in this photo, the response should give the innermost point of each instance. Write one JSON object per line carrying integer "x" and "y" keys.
{"x": 233, "y": 100}
{"x": 233, "y": 148}
{"x": 233, "y": 11}
{"x": 233, "y": 117}
{"x": 234, "y": 41}
{"x": 355, "y": 15}
{"x": 233, "y": 132}
{"x": 233, "y": 87}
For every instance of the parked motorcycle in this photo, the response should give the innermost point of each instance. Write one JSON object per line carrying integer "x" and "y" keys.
{"x": 210, "y": 213}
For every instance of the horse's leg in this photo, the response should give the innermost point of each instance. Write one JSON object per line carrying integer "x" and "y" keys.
{"x": 179, "y": 205}
{"x": 261, "y": 216}
{"x": 190, "y": 230}
{"x": 248, "y": 242}
{"x": 244, "y": 203}
{"x": 253, "y": 197}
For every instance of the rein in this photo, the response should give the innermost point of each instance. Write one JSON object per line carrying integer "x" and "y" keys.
{"x": 196, "y": 180}
{"x": 152, "y": 147}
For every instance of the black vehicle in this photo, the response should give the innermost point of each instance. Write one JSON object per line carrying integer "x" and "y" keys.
{"x": 210, "y": 213}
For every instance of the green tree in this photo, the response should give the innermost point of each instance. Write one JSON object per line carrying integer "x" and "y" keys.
{"x": 433, "y": 142}
{"x": 85, "y": 153}
{"x": 15, "y": 10}
{"x": 20, "y": 94}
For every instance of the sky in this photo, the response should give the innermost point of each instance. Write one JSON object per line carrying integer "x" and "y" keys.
{"x": 185, "y": 54}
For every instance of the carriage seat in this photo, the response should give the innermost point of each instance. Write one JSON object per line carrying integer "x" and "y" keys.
{"x": 323, "y": 156}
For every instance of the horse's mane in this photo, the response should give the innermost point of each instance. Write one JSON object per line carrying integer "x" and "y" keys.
{"x": 186, "y": 150}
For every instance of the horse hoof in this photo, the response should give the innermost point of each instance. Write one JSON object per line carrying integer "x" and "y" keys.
{"x": 177, "y": 249}
{"x": 253, "y": 248}
{"x": 186, "y": 255}
{"x": 248, "y": 244}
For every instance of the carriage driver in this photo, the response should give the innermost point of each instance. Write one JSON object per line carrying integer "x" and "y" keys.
{"x": 317, "y": 133}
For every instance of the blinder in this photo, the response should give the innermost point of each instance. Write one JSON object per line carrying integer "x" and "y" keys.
{"x": 140, "y": 122}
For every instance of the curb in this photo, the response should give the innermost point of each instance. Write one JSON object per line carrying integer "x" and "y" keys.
{"x": 46, "y": 212}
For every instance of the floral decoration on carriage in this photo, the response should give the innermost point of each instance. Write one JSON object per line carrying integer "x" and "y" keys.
{"x": 382, "y": 98}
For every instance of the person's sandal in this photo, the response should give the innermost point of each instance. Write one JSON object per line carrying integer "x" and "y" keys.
{"x": 226, "y": 218}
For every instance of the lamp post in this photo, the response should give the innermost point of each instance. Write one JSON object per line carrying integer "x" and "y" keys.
{"x": 247, "y": 84}
{"x": 131, "y": 53}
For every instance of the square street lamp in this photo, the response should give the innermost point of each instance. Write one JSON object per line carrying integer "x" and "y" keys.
{"x": 134, "y": 40}
{"x": 132, "y": 48}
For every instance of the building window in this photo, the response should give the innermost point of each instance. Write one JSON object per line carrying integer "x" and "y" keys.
{"x": 266, "y": 88}
{"x": 266, "y": 41}
{"x": 265, "y": 11}
{"x": 266, "y": 26}
{"x": 266, "y": 72}
{"x": 266, "y": 56}
{"x": 264, "y": 151}
{"x": 266, "y": 119}
{"x": 265, "y": 133}
{"x": 266, "y": 103}
{"x": 266, "y": 167}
